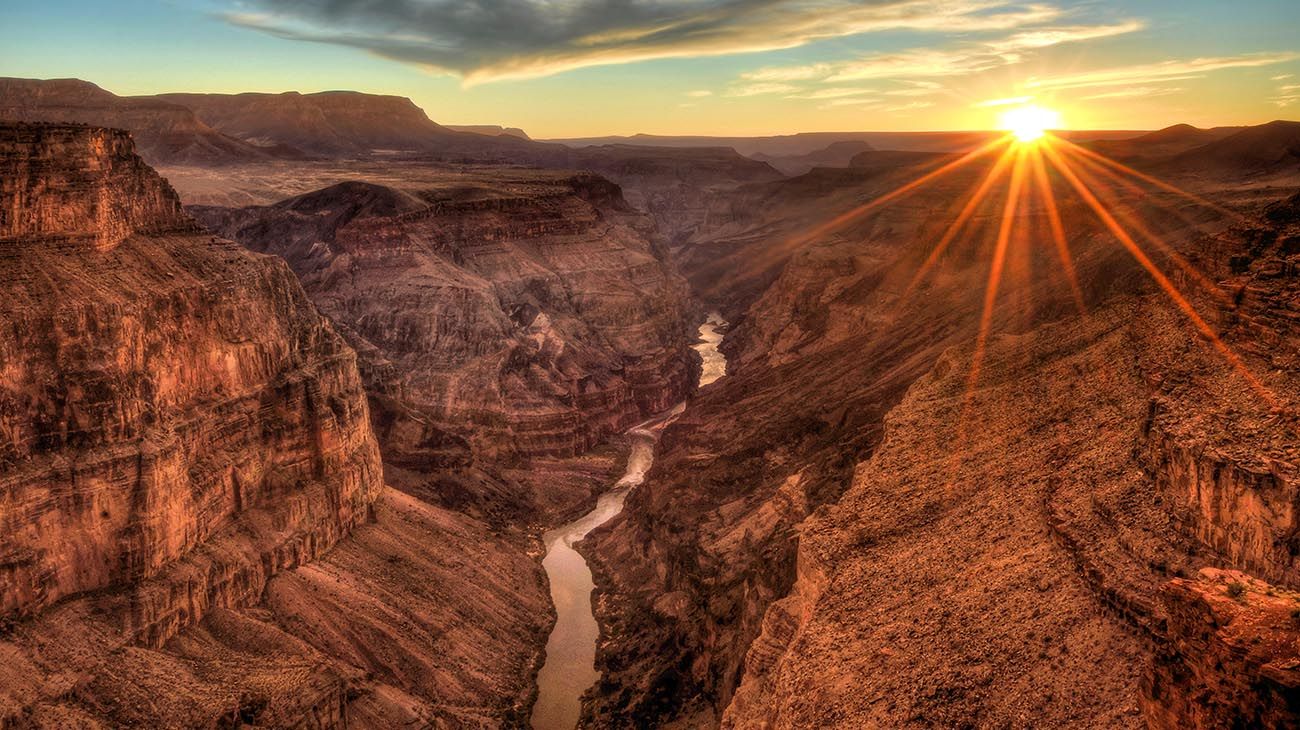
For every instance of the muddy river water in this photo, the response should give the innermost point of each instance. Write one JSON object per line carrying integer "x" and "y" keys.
{"x": 570, "y": 666}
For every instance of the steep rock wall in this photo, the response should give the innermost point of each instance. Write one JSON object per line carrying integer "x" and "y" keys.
{"x": 178, "y": 423}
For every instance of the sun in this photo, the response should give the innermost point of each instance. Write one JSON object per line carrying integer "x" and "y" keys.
{"x": 1029, "y": 123}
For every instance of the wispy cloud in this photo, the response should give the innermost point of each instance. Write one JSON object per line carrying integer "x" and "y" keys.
{"x": 699, "y": 93}
{"x": 483, "y": 40}
{"x": 1136, "y": 91}
{"x": 1280, "y": 77}
{"x": 760, "y": 89}
{"x": 960, "y": 60}
{"x": 1008, "y": 101}
{"x": 850, "y": 102}
{"x": 833, "y": 93}
{"x": 1172, "y": 70}
{"x": 909, "y": 106}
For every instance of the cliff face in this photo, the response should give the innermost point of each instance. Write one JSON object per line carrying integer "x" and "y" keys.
{"x": 157, "y": 388}
{"x": 68, "y": 184}
{"x": 845, "y": 533}
{"x": 523, "y": 314}
{"x": 1233, "y": 657}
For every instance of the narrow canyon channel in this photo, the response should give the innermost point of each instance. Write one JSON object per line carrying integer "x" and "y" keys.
{"x": 570, "y": 666}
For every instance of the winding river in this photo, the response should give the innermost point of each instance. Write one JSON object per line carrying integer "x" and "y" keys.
{"x": 570, "y": 666}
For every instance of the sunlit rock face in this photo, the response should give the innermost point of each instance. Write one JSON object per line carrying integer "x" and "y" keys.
{"x": 1233, "y": 655}
{"x": 72, "y": 184}
{"x": 177, "y": 423}
{"x": 518, "y": 313}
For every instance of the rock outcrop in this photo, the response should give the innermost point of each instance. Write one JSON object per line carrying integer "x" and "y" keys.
{"x": 67, "y": 184}
{"x": 164, "y": 394}
{"x": 523, "y": 313}
{"x": 1233, "y": 655}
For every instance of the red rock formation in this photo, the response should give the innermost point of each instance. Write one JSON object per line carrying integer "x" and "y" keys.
{"x": 524, "y": 313}
{"x": 177, "y": 423}
{"x": 67, "y": 184}
{"x": 1233, "y": 656}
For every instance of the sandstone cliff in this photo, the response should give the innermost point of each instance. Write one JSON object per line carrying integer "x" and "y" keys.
{"x": 179, "y": 424}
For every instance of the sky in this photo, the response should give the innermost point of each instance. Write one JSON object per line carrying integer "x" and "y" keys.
{"x": 570, "y": 68}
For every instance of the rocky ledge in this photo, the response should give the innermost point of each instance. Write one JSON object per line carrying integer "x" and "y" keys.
{"x": 1233, "y": 656}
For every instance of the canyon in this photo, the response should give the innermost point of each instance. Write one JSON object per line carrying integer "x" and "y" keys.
{"x": 335, "y": 417}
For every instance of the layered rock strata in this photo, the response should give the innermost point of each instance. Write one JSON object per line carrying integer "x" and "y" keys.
{"x": 1232, "y": 658}
{"x": 177, "y": 423}
{"x": 520, "y": 314}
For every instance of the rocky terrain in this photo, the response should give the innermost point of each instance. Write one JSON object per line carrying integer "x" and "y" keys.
{"x": 196, "y": 527}
{"x": 299, "y": 478}
{"x": 499, "y": 315}
{"x": 254, "y": 148}
{"x": 849, "y": 531}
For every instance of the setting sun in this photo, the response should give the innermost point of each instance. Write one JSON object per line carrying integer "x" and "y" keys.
{"x": 1028, "y": 123}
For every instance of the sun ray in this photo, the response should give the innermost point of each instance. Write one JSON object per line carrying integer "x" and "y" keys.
{"x": 773, "y": 254}
{"x": 1108, "y": 220}
{"x": 972, "y": 204}
{"x": 1134, "y": 221}
{"x": 845, "y": 218}
{"x": 1005, "y": 226}
{"x": 1048, "y": 198}
{"x": 1121, "y": 167}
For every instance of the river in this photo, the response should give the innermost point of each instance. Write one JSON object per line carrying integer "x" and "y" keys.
{"x": 570, "y": 666}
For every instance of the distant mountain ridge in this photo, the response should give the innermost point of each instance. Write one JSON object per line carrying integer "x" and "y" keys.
{"x": 329, "y": 123}
{"x": 491, "y": 130}
{"x": 163, "y": 131}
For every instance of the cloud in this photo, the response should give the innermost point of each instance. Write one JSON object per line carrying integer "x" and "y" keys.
{"x": 960, "y": 60}
{"x": 909, "y": 106}
{"x": 1280, "y": 77}
{"x": 760, "y": 89}
{"x": 1172, "y": 70}
{"x": 850, "y": 102}
{"x": 1009, "y": 101}
{"x": 1046, "y": 37}
{"x": 833, "y": 93}
{"x": 699, "y": 93}
{"x": 484, "y": 40}
{"x": 1133, "y": 92}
